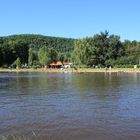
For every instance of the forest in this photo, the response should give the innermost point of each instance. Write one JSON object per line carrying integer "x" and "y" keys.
{"x": 102, "y": 50}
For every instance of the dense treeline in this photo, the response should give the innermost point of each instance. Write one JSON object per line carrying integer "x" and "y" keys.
{"x": 100, "y": 50}
{"x": 17, "y": 46}
{"x": 106, "y": 50}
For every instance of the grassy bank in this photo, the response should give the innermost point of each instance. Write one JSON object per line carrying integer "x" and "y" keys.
{"x": 71, "y": 70}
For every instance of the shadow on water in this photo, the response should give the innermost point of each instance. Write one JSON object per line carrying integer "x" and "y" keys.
{"x": 100, "y": 85}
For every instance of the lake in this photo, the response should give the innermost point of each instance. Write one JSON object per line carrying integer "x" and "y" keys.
{"x": 65, "y": 106}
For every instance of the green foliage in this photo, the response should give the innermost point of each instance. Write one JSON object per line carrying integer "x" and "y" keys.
{"x": 18, "y": 62}
{"x": 84, "y": 53}
{"x": 47, "y": 55}
{"x": 43, "y": 56}
{"x": 30, "y": 57}
{"x": 100, "y": 50}
{"x": 38, "y": 41}
{"x": 12, "y": 47}
{"x": 81, "y": 52}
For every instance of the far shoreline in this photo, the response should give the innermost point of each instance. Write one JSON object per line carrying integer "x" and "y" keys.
{"x": 71, "y": 70}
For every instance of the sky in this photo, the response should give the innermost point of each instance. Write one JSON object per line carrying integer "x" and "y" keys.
{"x": 70, "y": 18}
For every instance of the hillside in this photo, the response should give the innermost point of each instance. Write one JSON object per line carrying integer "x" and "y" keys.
{"x": 37, "y": 41}
{"x": 15, "y": 46}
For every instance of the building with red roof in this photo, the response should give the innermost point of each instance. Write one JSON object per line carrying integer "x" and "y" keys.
{"x": 59, "y": 64}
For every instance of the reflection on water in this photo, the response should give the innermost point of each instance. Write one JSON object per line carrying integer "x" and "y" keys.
{"x": 100, "y": 106}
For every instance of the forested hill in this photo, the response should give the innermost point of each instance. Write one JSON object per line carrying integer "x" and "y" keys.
{"x": 17, "y": 46}
{"x": 38, "y": 41}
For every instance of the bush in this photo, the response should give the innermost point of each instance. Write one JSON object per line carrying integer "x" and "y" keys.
{"x": 138, "y": 66}
{"x": 124, "y": 66}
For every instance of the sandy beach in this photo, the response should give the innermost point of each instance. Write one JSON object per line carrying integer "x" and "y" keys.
{"x": 71, "y": 70}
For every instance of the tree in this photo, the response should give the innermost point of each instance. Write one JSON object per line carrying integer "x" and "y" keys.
{"x": 97, "y": 50}
{"x": 18, "y": 63}
{"x": 116, "y": 48}
{"x": 81, "y": 53}
{"x": 47, "y": 55}
{"x": 21, "y": 48}
{"x": 30, "y": 57}
{"x": 101, "y": 49}
{"x": 42, "y": 56}
{"x": 61, "y": 57}
{"x": 132, "y": 50}
{"x": 52, "y": 55}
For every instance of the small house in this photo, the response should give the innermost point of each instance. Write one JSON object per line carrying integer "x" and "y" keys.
{"x": 57, "y": 64}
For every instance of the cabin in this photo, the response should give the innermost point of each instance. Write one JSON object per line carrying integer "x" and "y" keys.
{"x": 59, "y": 64}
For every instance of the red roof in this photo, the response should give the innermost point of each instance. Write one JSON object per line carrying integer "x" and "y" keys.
{"x": 58, "y": 63}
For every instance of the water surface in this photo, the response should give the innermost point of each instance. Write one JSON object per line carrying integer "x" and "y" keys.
{"x": 90, "y": 106}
